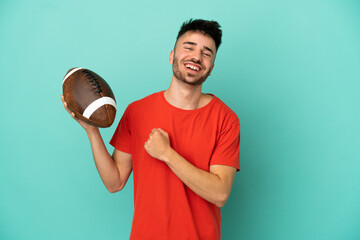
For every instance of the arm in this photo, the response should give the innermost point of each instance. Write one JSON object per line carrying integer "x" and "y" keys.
{"x": 214, "y": 186}
{"x": 114, "y": 170}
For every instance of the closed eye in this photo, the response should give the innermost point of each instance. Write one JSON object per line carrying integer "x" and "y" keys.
{"x": 207, "y": 54}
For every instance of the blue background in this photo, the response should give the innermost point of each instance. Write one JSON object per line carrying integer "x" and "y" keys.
{"x": 289, "y": 69}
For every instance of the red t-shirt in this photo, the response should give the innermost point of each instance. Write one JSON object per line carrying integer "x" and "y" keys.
{"x": 165, "y": 208}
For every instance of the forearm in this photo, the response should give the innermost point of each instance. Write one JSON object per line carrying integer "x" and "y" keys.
{"x": 205, "y": 184}
{"x": 105, "y": 164}
{"x": 213, "y": 186}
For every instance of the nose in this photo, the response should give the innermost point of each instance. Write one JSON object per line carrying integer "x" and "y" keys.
{"x": 197, "y": 57}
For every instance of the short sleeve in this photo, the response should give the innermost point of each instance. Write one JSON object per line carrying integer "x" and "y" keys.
{"x": 226, "y": 151}
{"x": 122, "y": 135}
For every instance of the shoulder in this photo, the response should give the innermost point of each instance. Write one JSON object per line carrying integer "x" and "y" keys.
{"x": 225, "y": 112}
{"x": 145, "y": 102}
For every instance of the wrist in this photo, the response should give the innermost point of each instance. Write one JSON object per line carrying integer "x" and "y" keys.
{"x": 92, "y": 132}
{"x": 169, "y": 155}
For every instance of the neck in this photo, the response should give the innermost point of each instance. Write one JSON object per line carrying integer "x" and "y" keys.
{"x": 185, "y": 96}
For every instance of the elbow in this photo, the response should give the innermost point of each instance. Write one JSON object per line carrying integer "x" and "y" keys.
{"x": 114, "y": 189}
{"x": 222, "y": 200}
{"x": 220, "y": 204}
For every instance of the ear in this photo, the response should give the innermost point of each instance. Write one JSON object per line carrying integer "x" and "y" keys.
{"x": 171, "y": 58}
{"x": 211, "y": 69}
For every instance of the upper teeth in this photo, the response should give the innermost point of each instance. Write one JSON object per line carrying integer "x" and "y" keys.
{"x": 192, "y": 67}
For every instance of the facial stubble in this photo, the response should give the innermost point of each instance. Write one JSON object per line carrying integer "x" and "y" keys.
{"x": 179, "y": 75}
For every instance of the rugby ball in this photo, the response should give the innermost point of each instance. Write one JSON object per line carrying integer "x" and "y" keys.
{"x": 89, "y": 97}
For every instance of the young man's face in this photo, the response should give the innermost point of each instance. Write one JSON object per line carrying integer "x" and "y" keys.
{"x": 193, "y": 57}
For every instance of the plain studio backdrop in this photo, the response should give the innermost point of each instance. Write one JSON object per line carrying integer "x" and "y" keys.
{"x": 289, "y": 69}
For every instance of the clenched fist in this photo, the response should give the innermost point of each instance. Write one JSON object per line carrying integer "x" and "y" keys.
{"x": 158, "y": 144}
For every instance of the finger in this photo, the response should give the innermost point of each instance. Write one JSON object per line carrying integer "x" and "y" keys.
{"x": 63, "y": 100}
{"x": 75, "y": 117}
{"x": 150, "y": 136}
{"x": 66, "y": 108}
{"x": 162, "y": 131}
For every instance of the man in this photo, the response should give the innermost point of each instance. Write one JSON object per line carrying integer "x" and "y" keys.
{"x": 182, "y": 146}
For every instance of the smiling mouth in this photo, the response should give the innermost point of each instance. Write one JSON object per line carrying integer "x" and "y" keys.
{"x": 192, "y": 67}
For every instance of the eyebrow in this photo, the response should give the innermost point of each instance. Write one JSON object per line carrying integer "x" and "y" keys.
{"x": 207, "y": 48}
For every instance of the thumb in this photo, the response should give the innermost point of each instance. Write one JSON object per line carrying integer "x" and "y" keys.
{"x": 162, "y": 131}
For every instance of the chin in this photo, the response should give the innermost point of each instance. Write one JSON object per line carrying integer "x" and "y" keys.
{"x": 194, "y": 83}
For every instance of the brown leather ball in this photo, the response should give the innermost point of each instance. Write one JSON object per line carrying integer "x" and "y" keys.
{"x": 89, "y": 97}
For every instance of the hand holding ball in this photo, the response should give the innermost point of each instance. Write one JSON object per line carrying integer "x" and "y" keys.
{"x": 89, "y": 97}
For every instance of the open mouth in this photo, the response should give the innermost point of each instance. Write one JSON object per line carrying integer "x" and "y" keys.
{"x": 192, "y": 67}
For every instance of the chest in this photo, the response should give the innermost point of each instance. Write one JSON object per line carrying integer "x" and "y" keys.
{"x": 193, "y": 136}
